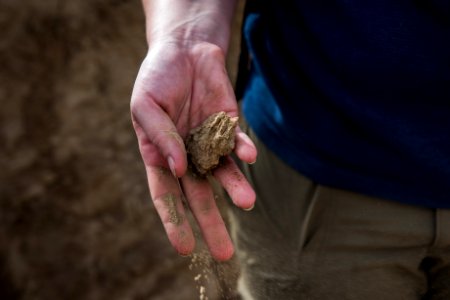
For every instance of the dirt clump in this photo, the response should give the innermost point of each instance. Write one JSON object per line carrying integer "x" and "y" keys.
{"x": 213, "y": 139}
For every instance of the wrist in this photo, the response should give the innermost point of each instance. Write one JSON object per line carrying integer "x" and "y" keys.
{"x": 186, "y": 23}
{"x": 188, "y": 40}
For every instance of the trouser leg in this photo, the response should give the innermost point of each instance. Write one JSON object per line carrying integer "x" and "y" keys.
{"x": 436, "y": 264}
{"x": 307, "y": 241}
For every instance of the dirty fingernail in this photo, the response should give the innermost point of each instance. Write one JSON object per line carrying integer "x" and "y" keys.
{"x": 250, "y": 208}
{"x": 171, "y": 166}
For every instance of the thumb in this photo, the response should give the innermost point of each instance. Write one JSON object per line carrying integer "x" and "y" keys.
{"x": 153, "y": 122}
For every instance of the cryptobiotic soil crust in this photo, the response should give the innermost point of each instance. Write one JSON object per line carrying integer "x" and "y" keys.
{"x": 76, "y": 219}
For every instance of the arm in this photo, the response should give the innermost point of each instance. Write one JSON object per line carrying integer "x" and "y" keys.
{"x": 180, "y": 83}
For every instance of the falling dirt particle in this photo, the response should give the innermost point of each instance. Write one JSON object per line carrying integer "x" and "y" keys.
{"x": 213, "y": 139}
{"x": 202, "y": 293}
{"x": 170, "y": 200}
{"x": 213, "y": 280}
{"x": 194, "y": 258}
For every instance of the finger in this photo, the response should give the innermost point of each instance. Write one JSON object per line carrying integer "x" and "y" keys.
{"x": 167, "y": 199}
{"x": 235, "y": 183}
{"x": 160, "y": 131}
{"x": 245, "y": 148}
{"x": 203, "y": 206}
{"x": 149, "y": 152}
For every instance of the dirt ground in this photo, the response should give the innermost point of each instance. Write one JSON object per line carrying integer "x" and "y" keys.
{"x": 76, "y": 221}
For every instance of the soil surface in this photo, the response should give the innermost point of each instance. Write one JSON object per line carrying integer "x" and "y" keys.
{"x": 76, "y": 219}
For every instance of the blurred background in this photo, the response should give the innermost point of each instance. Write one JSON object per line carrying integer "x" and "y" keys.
{"x": 76, "y": 220}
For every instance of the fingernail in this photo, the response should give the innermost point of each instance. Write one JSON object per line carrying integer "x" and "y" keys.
{"x": 252, "y": 163}
{"x": 247, "y": 139}
{"x": 250, "y": 208}
{"x": 172, "y": 166}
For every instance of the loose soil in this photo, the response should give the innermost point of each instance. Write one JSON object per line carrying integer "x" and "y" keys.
{"x": 209, "y": 142}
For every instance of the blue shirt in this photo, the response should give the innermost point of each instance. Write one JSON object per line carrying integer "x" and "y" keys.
{"x": 355, "y": 94}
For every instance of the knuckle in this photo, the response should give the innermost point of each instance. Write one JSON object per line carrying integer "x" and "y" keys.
{"x": 135, "y": 108}
{"x": 216, "y": 52}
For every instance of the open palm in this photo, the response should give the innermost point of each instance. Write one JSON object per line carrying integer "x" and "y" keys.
{"x": 175, "y": 91}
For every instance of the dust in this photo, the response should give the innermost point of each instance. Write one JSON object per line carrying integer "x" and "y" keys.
{"x": 170, "y": 200}
{"x": 213, "y": 280}
{"x": 202, "y": 293}
{"x": 213, "y": 139}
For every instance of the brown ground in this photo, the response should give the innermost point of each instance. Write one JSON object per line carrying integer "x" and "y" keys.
{"x": 76, "y": 221}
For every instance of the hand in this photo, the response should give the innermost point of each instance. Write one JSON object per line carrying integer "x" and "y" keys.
{"x": 176, "y": 89}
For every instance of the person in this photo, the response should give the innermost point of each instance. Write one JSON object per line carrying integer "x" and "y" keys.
{"x": 348, "y": 105}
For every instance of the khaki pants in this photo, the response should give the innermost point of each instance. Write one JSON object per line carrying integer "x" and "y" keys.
{"x": 307, "y": 241}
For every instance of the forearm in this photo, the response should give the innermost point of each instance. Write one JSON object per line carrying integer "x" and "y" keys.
{"x": 189, "y": 21}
